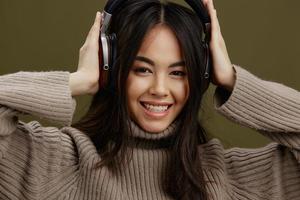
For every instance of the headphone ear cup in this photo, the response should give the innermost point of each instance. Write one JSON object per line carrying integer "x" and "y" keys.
{"x": 103, "y": 73}
{"x": 106, "y": 76}
{"x": 113, "y": 47}
{"x": 207, "y": 67}
{"x": 112, "y": 59}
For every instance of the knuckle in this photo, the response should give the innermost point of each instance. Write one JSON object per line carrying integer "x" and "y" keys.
{"x": 83, "y": 48}
{"x": 94, "y": 28}
{"x": 87, "y": 47}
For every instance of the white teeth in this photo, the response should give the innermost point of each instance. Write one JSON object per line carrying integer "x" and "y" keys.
{"x": 154, "y": 108}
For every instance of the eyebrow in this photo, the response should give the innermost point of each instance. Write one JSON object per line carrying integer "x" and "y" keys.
{"x": 151, "y": 62}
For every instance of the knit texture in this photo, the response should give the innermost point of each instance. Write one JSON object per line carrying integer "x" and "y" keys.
{"x": 38, "y": 162}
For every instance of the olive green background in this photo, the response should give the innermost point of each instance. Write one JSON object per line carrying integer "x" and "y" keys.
{"x": 261, "y": 36}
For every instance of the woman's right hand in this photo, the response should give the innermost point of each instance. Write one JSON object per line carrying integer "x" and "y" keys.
{"x": 85, "y": 79}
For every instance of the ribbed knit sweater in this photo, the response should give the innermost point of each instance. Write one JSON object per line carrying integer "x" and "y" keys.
{"x": 38, "y": 162}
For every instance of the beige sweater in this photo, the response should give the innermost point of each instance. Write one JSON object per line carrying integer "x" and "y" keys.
{"x": 39, "y": 162}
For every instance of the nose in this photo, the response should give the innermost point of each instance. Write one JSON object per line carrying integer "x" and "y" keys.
{"x": 159, "y": 87}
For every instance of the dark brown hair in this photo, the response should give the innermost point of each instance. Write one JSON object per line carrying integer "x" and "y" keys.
{"x": 107, "y": 120}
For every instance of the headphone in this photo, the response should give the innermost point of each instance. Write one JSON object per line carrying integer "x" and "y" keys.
{"x": 108, "y": 53}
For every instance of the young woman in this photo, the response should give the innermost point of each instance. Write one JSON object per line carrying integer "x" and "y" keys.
{"x": 141, "y": 139}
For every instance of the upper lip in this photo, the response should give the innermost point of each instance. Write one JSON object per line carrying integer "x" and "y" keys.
{"x": 158, "y": 103}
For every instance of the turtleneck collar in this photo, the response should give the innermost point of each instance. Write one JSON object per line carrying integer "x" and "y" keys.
{"x": 138, "y": 132}
{"x": 140, "y": 138}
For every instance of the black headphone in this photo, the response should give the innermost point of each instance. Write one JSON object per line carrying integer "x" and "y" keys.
{"x": 108, "y": 53}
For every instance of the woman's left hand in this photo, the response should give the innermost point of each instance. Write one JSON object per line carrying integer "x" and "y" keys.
{"x": 223, "y": 74}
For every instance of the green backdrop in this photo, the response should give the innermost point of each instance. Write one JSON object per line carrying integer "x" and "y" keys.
{"x": 261, "y": 36}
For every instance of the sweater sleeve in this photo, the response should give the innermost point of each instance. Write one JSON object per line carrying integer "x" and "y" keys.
{"x": 271, "y": 108}
{"x": 269, "y": 172}
{"x": 31, "y": 156}
{"x": 42, "y": 94}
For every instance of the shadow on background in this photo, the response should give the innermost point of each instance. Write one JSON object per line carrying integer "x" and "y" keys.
{"x": 261, "y": 36}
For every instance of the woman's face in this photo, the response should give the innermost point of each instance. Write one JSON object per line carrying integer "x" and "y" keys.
{"x": 157, "y": 85}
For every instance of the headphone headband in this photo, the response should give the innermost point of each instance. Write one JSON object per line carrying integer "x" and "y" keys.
{"x": 197, "y": 6}
{"x": 112, "y": 5}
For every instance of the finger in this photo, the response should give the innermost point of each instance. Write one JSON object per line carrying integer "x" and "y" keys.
{"x": 205, "y": 3}
{"x": 212, "y": 3}
{"x": 209, "y": 7}
{"x": 215, "y": 26}
{"x": 93, "y": 35}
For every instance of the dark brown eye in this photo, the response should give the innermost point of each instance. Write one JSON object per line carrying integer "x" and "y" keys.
{"x": 178, "y": 73}
{"x": 142, "y": 70}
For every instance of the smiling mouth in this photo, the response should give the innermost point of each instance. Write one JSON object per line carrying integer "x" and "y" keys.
{"x": 155, "y": 108}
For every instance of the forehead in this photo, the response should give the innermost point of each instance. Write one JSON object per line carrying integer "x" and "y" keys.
{"x": 161, "y": 43}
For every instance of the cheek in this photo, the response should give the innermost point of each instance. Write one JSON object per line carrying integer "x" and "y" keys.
{"x": 135, "y": 87}
{"x": 181, "y": 91}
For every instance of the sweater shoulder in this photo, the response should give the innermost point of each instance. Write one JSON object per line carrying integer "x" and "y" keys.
{"x": 47, "y": 146}
{"x": 215, "y": 156}
{"x": 79, "y": 143}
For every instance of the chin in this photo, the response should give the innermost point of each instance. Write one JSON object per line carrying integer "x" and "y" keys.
{"x": 154, "y": 127}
